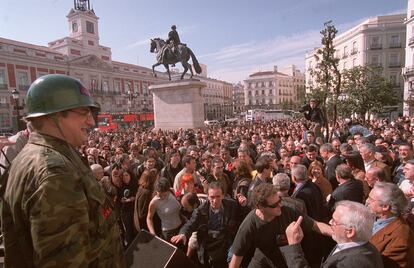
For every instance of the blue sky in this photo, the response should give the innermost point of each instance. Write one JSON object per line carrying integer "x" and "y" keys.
{"x": 233, "y": 38}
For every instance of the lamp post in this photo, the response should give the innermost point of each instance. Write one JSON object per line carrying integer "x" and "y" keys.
{"x": 144, "y": 103}
{"x": 16, "y": 96}
{"x": 130, "y": 95}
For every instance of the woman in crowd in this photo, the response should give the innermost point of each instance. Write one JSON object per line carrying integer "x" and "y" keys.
{"x": 143, "y": 198}
{"x": 355, "y": 161}
{"x": 315, "y": 173}
{"x": 126, "y": 197}
{"x": 242, "y": 181}
{"x": 167, "y": 208}
{"x": 186, "y": 185}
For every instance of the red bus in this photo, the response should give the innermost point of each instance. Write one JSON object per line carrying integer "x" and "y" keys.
{"x": 115, "y": 121}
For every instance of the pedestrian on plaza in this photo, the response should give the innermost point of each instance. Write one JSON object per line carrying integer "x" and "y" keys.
{"x": 54, "y": 211}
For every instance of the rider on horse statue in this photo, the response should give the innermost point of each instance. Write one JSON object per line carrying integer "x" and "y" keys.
{"x": 173, "y": 41}
{"x": 173, "y": 51}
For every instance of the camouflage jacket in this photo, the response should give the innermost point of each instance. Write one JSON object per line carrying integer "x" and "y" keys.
{"x": 55, "y": 214}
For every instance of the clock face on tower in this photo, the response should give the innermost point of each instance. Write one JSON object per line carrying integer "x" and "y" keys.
{"x": 74, "y": 27}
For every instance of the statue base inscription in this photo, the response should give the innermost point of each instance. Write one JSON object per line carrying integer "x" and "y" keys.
{"x": 178, "y": 104}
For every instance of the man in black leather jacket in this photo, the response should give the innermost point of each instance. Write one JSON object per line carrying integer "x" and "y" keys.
{"x": 216, "y": 223}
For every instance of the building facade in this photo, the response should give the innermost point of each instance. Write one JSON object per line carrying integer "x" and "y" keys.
{"x": 378, "y": 41}
{"x": 274, "y": 89}
{"x": 408, "y": 70}
{"x": 238, "y": 99}
{"x": 119, "y": 87}
{"x": 218, "y": 99}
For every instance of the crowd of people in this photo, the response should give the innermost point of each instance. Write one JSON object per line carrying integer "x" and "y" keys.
{"x": 309, "y": 176}
{"x": 251, "y": 194}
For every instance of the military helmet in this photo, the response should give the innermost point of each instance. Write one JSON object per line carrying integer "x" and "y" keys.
{"x": 56, "y": 93}
{"x": 173, "y": 27}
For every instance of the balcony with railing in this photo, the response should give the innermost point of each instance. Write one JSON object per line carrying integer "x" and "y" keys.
{"x": 345, "y": 55}
{"x": 395, "y": 45}
{"x": 394, "y": 65}
{"x": 354, "y": 51}
{"x": 114, "y": 93}
{"x": 376, "y": 64}
{"x": 408, "y": 71}
{"x": 375, "y": 46}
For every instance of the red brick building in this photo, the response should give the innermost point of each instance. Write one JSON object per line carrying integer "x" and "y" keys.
{"x": 79, "y": 55}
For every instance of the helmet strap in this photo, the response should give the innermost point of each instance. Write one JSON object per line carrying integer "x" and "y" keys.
{"x": 56, "y": 122}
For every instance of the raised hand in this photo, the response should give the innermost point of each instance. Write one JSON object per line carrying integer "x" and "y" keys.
{"x": 294, "y": 232}
{"x": 4, "y": 141}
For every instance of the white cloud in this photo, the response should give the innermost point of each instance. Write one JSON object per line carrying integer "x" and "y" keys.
{"x": 236, "y": 62}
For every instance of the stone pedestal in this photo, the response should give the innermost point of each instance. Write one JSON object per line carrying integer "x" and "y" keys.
{"x": 178, "y": 104}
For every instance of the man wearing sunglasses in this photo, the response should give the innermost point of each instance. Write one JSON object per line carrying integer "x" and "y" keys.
{"x": 263, "y": 230}
{"x": 54, "y": 211}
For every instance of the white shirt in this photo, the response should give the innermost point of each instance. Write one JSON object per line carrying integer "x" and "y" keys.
{"x": 405, "y": 186}
{"x": 367, "y": 165}
{"x": 343, "y": 246}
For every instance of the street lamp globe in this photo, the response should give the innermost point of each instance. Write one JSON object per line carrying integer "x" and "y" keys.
{"x": 15, "y": 94}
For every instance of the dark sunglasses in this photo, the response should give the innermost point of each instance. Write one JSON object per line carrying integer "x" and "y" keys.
{"x": 275, "y": 205}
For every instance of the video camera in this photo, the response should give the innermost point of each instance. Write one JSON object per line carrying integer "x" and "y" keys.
{"x": 305, "y": 108}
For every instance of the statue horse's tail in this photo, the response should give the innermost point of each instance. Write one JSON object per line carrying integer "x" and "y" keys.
{"x": 196, "y": 65}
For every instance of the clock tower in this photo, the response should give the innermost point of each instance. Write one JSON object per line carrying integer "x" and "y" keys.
{"x": 83, "y": 36}
{"x": 83, "y": 23}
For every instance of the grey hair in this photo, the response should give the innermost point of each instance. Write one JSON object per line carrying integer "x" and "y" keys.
{"x": 281, "y": 181}
{"x": 269, "y": 154}
{"x": 300, "y": 172}
{"x": 95, "y": 167}
{"x": 411, "y": 162}
{"x": 369, "y": 147}
{"x": 344, "y": 172}
{"x": 359, "y": 218}
{"x": 243, "y": 150}
{"x": 363, "y": 140}
{"x": 327, "y": 147}
{"x": 393, "y": 196}
{"x": 345, "y": 147}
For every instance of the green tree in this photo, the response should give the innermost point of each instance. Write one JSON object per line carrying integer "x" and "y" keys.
{"x": 366, "y": 91}
{"x": 327, "y": 75}
{"x": 285, "y": 105}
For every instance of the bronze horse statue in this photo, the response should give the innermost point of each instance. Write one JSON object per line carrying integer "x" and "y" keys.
{"x": 165, "y": 57}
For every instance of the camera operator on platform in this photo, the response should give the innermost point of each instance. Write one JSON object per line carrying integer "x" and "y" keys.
{"x": 314, "y": 114}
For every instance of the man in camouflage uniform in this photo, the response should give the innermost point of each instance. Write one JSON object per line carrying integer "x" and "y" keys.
{"x": 55, "y": 214}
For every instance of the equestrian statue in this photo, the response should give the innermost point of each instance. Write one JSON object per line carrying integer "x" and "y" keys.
{"x": 172, "y": 51}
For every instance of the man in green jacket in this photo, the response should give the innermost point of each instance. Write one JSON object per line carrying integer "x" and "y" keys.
{"x": 55, "y": 214}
